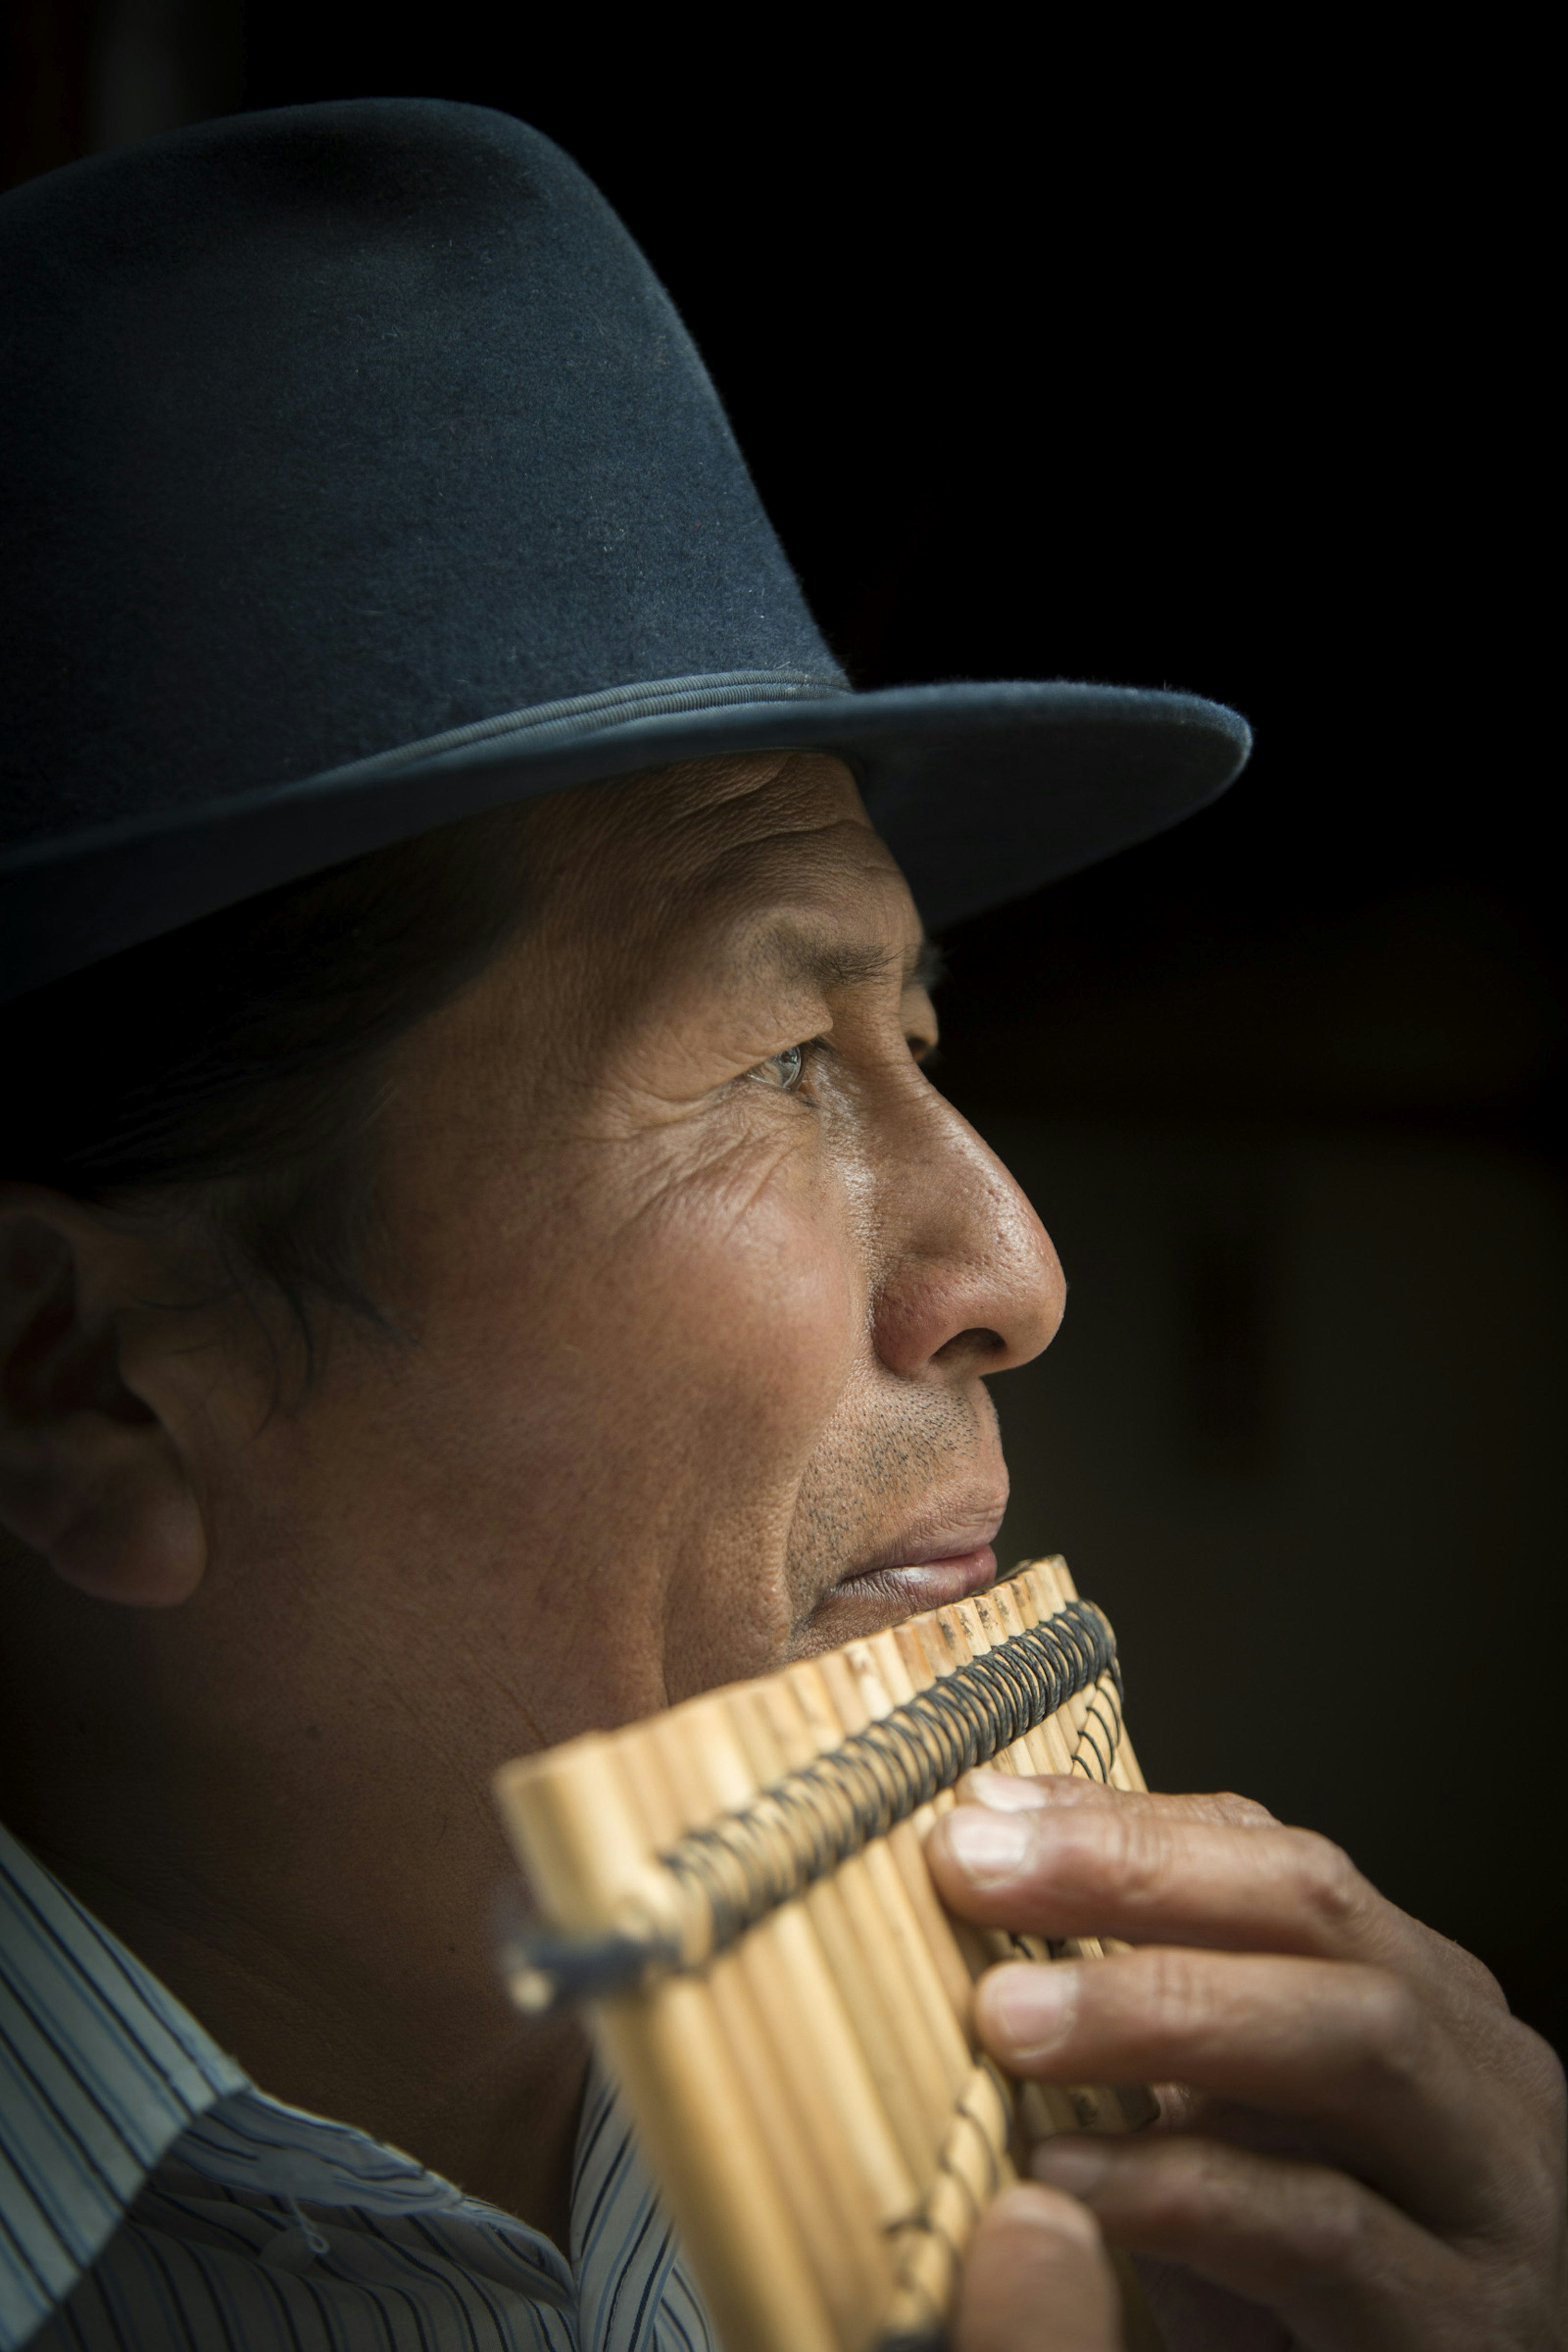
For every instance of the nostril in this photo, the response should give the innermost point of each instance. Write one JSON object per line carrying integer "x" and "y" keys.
{"x": 976, "y": 1345}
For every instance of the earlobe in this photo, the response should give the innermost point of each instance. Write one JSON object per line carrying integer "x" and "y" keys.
{"x": 89, "y": 1477}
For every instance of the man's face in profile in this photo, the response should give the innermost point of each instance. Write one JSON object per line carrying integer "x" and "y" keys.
{"x": 702, "y": 1279}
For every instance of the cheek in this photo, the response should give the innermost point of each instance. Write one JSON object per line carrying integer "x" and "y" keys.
{"x": 736, "y": 1322}
{"x": 766, "y": 1308}
{"x": 635, "y": 1387}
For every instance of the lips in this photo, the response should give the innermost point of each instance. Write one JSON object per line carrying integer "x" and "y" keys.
{"x": 912, "y": 1574}
{"x": 929, "y": 1583}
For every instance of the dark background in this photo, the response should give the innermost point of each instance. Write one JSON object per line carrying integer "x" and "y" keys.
{"x": 1130, "y": 356}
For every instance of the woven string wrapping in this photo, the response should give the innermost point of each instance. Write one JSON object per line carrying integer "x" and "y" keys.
{"x": 741, "y": 1867}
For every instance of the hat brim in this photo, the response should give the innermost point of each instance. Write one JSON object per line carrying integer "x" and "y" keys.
{"x": 984, "y": 792}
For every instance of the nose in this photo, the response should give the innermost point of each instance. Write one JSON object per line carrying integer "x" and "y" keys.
{"x": 968, "y": 1280}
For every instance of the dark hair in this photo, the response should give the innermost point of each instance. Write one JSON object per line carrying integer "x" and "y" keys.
{"x": 244, "y": 1056}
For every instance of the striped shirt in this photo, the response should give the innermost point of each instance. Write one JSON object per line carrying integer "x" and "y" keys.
{"x": 153, "y": 2200}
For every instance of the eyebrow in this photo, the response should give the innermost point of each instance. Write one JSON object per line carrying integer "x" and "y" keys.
{"x": 829, "y": 966}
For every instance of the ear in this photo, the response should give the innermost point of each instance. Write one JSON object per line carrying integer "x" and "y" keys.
{"x": 89, "y": 1475}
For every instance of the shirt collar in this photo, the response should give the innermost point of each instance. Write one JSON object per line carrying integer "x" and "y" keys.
{"x": 102, "y": 2070}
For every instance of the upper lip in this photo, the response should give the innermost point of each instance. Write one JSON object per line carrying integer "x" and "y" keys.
{"x": 948, "y": 1537}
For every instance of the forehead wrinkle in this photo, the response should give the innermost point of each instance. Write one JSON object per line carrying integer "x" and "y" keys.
{"x": 783, "y": 881}
{"x": 814, "y": 898}
{"x": 712, "y": 819}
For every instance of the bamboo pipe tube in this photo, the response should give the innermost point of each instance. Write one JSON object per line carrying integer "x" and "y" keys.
{"x": 879, "y": 2003}
{"x": 882, "y": 1683}
{"x": 1125, "y": 2106}
{"x": 983, "y": 1629}
{"x": 1039, "y": 1597}
{"x": 764, "y": 2027}
{"x": 1050, "y": 1576}
{"x": 1053, "y": 1576}
{"x": 965, "y": 1637}
{"x": 893, "y": 1675}
{"x": 936, "y": 2054}
{"x": 1099, "y": 1733}
{"x": 963, "y": 1951}
{"x": 972, "y": 1632}
{"x": 975, "y": 2161}
{"x": 966, "y": 1951}
{"x": 1045, "y": 1587}
{"x": 909, "y": 1897}
{"x": 668, "y": 1772}
{"x": 989, "y": 1621}
{"x": 886, "y": 1953}
{"x": 1021, "y": 1596}
{"x": 1053, "y": 1570}
{"x": 973, "y": 2164}
{"x": 921, "y": 1661}
{"x": 1015, "y": 1613}
{"x": 586, "y": 1851}
{"x": 1032, "y": 1606}
{"x": 959, "y": 1948}
{"x": 668, "y": 1810}
{"x": 1001, "y": 1624}
{"x": 813, "y": 2036}
{"x": 921, "y": 1674}
{"x": 1043, "y": 1583}
{"x": 860, "y": 2036}
{"x": 1043, "y": 2107}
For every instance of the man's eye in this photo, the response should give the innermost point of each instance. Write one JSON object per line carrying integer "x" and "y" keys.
{"x": 783, "y": 1070}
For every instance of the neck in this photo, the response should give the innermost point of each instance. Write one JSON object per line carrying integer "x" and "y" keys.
{"x": 330, "y": 1923}
{"x": 486, "y": 2099}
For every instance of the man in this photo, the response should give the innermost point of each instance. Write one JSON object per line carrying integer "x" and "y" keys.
{"x": 481, "y": 1259}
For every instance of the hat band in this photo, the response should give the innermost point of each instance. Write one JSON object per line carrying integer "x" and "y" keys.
{"x": 589, "y": 714}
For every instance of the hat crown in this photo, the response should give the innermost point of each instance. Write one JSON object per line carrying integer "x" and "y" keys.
{"x": 336, "y": 428}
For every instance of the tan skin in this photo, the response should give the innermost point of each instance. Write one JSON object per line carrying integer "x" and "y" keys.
{"x": 699, "y": 1281}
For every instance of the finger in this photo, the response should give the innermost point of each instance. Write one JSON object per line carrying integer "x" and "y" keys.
{"x": 1348, "y": 2050}
{"x": 1033, "y": 1792}
{"x": 1147, "y": 1870}
{"x": 1314, "y": 1900}
{"x": 1339, "y": 2266}
{"x": 1037, "y": 2279}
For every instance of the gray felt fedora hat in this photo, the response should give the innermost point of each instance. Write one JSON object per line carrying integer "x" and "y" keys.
{"x": 356, "y": 475}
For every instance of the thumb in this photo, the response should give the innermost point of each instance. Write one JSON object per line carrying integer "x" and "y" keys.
{"x": 1038, "y": 2279}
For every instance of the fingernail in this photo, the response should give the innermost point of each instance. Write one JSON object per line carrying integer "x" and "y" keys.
{"x": 987, "y": 1846}
{"x": 1005, "y": 1792}
{"x": 1032, "y": 2007}
{"x": 1076, "y": 2164}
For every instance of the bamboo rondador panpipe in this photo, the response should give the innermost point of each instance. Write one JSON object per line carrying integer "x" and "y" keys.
{"x": 737, "y": 1887}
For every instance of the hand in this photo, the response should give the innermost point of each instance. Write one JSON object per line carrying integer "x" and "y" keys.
{"x": 1037, "y": 2279}
{"x": 1355, "y": 2135}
